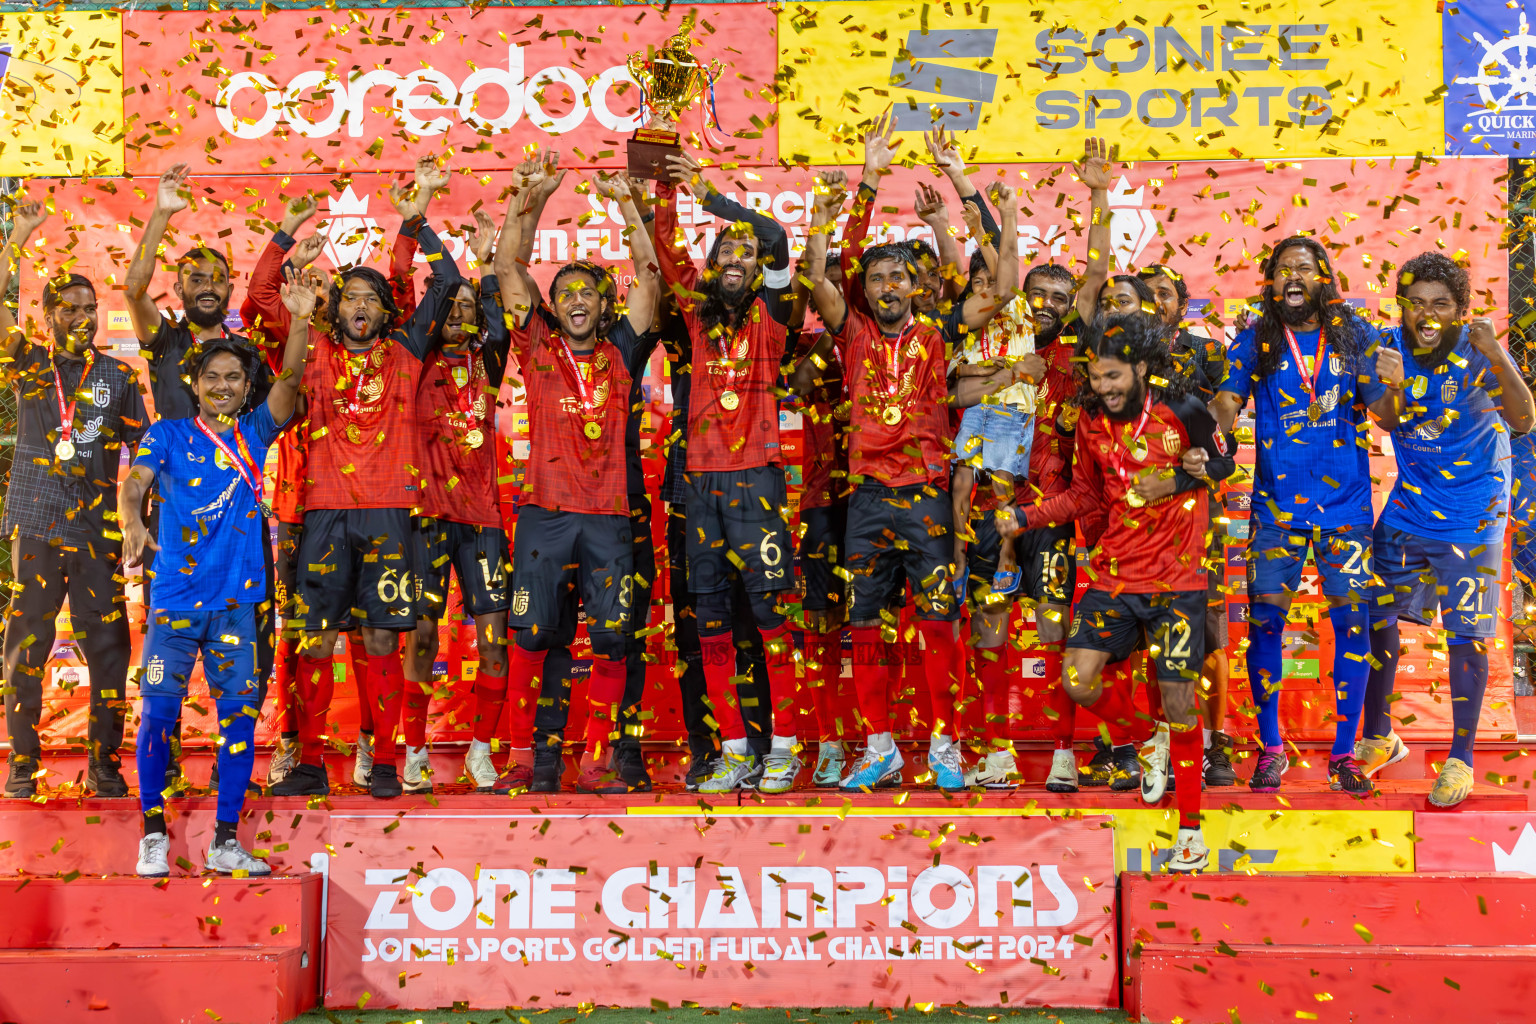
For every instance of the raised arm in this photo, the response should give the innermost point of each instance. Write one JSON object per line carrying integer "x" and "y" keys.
{"x": 679, "y": 276}
{"x": 986, "y": 241}
{"x": 945, "y": 152}
{"x": 541, "y": 177}
{"x": 298, "y": 296}
{"x": 1514, "y": 396}
{"x": 645, "y": 291}
{"x": 981, "y": 308}
{"x": 265, "y": 319}
{"x": 517, "y": 296}
{"x": 169, "y": 200}
{"x": 1095, "y": 173}
{"x": 1389, "y": 408}
{"x": 29, "y": 217}
{"x": 825, "y": 296}
{"x": 930, "y": 209}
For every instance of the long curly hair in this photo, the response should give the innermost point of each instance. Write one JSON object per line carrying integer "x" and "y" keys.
{"x": 1339, "y": 322}
{"x": 722, "y": 317}
{"x": 380, "y": 285}
{"x": 1130, "y": 338}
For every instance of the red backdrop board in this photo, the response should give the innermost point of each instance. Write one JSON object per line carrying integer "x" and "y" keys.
{"x": 625, "y": 911}
{"x": 1486, "y": 841}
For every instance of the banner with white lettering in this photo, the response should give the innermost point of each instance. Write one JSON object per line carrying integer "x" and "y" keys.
{"x": 772, "y": 911}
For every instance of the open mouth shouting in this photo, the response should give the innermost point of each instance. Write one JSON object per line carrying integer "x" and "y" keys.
{"x": 733, "y": 278}
{"x": 1294, "y": 295}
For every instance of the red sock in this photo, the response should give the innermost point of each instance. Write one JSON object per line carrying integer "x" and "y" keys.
{"x": 285, "y": 682}
{"x": 524, "y": 682}
{"x": 317, "y": 680}
{"x": 719, "y": 669}
{"x": 995, "y": 674}
{"x": 415, "y": 725}
{"x": 1117, "y": 709}
{"x": 490, "y": 696}
{"x": 358, "y": 656}
{"x": 1060, "y": 708}
{"x": 793, "y": 712}
{"x": 872, "y": 674}
{"x": 605, "y": 696}
{"x": 386, "y": 683}
{"x": 943, "y": 663}
{"x": 1188, "y": 755}
{"x": 825, "y": 674}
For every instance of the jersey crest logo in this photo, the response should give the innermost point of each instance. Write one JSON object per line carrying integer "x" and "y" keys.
{"x": 1336, "y": 364}
{"x": 1420, "y": 387}
{"x": 221, "y": 460}
{"x": 1171, "y": 445}
{"x": 520, "y": 602}
{"x": 101, "y": 394}
{"x": 155, "y": 672}
{"x": 89, "y": 431}
{"x": 1448, "y": 391}
{"x": 1329, "y": 399}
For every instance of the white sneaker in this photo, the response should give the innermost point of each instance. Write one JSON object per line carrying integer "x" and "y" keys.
{"x": 780, "y": 770}
{"x": 477, "y": 765}
{"x": 1063, "y": 777}
{"x": 154, "y": 856}
{"x": 1154, "y": 772}
{"x": 230, "y": 858}
{"x": 418, "y": 771}
{"x": 284, "y": 756}
{"x": 362, "y": 769}
{"x": 997, "y": 770}
{"x": 1189, "y": 852}
{"x": 730, "y": 772}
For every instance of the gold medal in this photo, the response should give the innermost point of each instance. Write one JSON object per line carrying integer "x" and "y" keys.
{"x": 354, "y": 434}
{"x": 890, "y": 415}
{"x": 1314, "y": 412}
{"x": 474, "y": 438}
{"x": 65, "y": 450}
{"x": 729, "y": 400}
{"x": 1134, "y": 500}
{"x": 594, "y": 429}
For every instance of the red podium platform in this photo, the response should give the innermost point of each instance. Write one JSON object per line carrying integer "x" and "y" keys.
{"x": 131, "y": 950}
{"x": 1268, "y": 949}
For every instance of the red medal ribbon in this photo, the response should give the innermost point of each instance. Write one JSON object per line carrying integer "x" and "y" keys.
{"x": 67, "y": 412}
{"x": 893, "y": 360}
{"x": 582, "y": 394}
{"x": 1317, "y": 361}
{"x": 244, "y": 464}
{"x": 1117, "y": 459}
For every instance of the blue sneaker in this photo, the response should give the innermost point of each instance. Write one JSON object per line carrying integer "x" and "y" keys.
{"x": 948, "y": 774}
{"x": 874, "y": 769}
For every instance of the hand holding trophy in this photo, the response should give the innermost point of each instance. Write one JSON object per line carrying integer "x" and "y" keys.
{"x": 672, "y": 78}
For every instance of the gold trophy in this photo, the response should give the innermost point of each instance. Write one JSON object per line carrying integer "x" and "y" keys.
{"x": 672, "y": 78}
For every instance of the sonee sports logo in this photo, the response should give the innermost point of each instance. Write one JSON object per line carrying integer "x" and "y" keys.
{"x": 968, "y": 89}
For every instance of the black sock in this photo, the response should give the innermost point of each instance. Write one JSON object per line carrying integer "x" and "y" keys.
{"x": 223, "y": 830}
{"x": 291, "y": 735}
{"x": 154, "y": 824}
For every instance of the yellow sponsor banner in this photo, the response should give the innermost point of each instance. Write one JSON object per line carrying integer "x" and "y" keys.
{"x": 61, "y": 93}
{"x": 1336, "y": 842}
{"x": 1164, "y": 79}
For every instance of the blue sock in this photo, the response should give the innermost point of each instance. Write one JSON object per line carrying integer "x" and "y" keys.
{"x": 1386, "y": 647}
{"x": 1351, "y": 645}
{"x": 1469, "y": 678}
{"x": 237, "y": 757}
{"x": 157, "y": 722}
{"x": 1266, "y": 643}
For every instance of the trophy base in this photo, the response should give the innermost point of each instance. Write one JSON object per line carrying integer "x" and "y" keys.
{"x": 648, "y": 152}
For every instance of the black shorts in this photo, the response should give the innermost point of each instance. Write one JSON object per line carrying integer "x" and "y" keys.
{"x": 557, "y": 553}
{"x": 644, "y": 567}
{"x": 896, "y": 536}
{"x": 1216, "y": 633}
{"x": 821, "y": 555}
{"x": 1174, "y": 622}
{"x": 476, "y": 554}
{"x": 1047, "y": 558}
{"x": 736, "y": 527}
{"x": 356, "y": 565}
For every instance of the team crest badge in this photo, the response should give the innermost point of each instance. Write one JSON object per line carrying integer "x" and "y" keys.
{"x": 1336, "y": 364}
{"x": 221, "y": 460}
{"x": 155, "y": 672}
{"x": 520, "y": 602}
{"x": 1420, "y": 387}
{"x": 101, "y": 394}
{"x": 460, "y": 376}
{"x": 1171, "y": 445}
{"x": 1448, "y": 391}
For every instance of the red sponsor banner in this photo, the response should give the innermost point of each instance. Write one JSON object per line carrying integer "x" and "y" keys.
{"x": 290, "y": 92}
{"x": 1502, "y": 841}
{"x": 625, "y": 910}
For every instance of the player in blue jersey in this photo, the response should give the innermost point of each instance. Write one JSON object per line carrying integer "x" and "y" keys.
{"x": 1440, "y": 538}
{"x": 210, "y": 571}
{"x": 1312, "y": 369}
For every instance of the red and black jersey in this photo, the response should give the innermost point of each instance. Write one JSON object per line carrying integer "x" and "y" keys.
{"x": 1050, "y": 457}
{"x": 823, "y": 439}
{"x": 576, "y": 459}
{"x": 733, "y": 408}
{"x": 898, "y": 422}
{"x": 1156, "y": 547}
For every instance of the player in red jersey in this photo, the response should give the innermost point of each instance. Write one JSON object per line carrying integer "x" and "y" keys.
{"x": 357, "y": 554}
{"x": 1145, "y": 447}
{"x": 894, "y": 365}
{"x": 735, "y": 482}
{"x": 573, "y": 530}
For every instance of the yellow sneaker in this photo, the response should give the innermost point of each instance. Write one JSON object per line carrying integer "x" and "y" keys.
{"x": 1454, "y": 784}
{"x": 1374, "y": 755}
